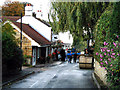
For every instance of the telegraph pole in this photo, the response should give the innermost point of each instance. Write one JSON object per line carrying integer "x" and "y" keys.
{"x": 21, "y": 40}
{"x": 21, "y": 33}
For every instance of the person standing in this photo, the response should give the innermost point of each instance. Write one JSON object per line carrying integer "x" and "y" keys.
{"x": 70, "y": 57}
{"x": 75, "y": 57}
{"x": 62, "y": 53}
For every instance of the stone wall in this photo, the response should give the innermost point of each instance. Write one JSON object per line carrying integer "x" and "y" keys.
{"x": 100, "y": 71}
{"x": 26, "y": 44}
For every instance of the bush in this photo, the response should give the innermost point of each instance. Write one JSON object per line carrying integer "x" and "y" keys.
{"x": 107, "y": 44}
{"x": 109, "y": 59}
{"x": 102, "y": 29}
{"x": 11, "y": 54}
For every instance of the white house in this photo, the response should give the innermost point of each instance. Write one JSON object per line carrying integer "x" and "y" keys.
{"x": 65, "y": 37}
{"x": 36, "y": 34}
{"x": 42, "y": 28}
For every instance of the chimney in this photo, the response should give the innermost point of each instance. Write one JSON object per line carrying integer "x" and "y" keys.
{"x": 28, "y": 10}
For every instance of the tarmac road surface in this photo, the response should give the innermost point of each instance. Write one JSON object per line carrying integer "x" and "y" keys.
{"x": 65, "y": 75}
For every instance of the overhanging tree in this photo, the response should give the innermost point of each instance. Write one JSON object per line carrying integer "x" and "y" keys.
{"x": 73, "y": 16}
{"x": 13, "y": 9}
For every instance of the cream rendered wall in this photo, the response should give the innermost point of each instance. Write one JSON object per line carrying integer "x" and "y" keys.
{"x": 66, "y": 37}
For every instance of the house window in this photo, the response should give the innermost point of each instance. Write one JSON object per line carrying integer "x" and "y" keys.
{"x": 55, "y": 37}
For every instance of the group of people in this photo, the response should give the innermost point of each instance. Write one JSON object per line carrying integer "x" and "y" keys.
{"x": 63, "y": 55}
{"x": 61, "y": 52}
{"x": 74, "y": 56}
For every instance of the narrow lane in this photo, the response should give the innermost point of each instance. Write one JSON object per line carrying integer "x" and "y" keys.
{"x": 65, "y": 75}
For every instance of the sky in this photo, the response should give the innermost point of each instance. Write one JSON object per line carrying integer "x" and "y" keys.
{"x": 35, "y": 2}
{"x": 36, "y": 6}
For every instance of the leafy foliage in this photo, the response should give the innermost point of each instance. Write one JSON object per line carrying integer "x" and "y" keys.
{"x": 13, "y": 9}
{"x": 102, "y": 29}
{"x": 107, "y": 45}
{"x": 115, "y": 20}
{"x": 73, "y": 16}
{"x": 11, "y": 53}
{"x": 109, "y": 58}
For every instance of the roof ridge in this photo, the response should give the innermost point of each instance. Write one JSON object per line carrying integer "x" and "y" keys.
{"x": 37, "y": 32}
{"x": 44, "y": 22}
{"x": 47, "y": 41}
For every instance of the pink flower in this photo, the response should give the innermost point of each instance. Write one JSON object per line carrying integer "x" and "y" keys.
{"x": 104, "y": 68}
{"x": 108, "y": 54}
{"x": 105, "y": 54}
{"x": 111, "y": 65}
{"x": 101, "y": 56}
{"x": 113, "y": 53}
{"x": 112, "y": 49}
{"x": 102, "y": 49}
{"x": 117, "y": 36}
{"x": 109, "y": 59}
{"x": 101, "y": 63}
{"x": 106, "y": 62}
{"x": 112, "y": 73}
{"x": 97, "y": 53}
{"x": 105, "y": 43}
{"x": 118, "y": 54}
{"x": 111, "y": 56}
{"x": 108, "y": 50}
{"x": 101, "y": 59}
{"x": 105, "y": 48}
{"x": 114, "y": 44}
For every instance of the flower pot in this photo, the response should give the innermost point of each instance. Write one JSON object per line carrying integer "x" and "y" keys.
{"x": 85, "y": 62}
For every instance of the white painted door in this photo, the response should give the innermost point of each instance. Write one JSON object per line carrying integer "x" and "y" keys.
{"x": 34, "y": 57}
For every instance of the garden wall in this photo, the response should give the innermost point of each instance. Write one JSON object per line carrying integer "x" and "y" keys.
{"x": 100, "y": 72}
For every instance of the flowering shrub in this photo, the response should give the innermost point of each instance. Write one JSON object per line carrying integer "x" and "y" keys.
{"x": 109, "y": 58}
{"x": 49, "y": 56}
